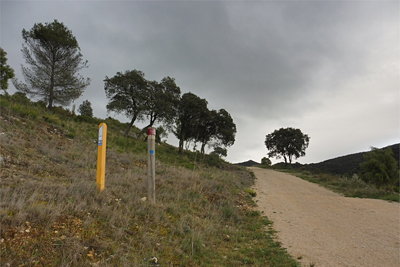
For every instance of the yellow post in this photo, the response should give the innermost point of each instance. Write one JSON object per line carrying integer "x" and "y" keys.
{"x": 101, "y": 157}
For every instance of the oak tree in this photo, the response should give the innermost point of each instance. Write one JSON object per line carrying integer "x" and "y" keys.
{"x": 217, "y": 127}
{"x": 266, "y": 161}
{"x": 126, "y": 93}
{"x": 287, "y": 143}
{"x": 161, "y": 103}
{"x": 190, "y": 109}
{"x": 220, "y": 151}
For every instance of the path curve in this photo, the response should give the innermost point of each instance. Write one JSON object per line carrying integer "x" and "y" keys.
{"x": 324, "y": 228}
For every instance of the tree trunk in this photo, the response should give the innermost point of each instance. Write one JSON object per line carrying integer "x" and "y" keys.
{"x": 152, "y": 120}
{"x": 130, "y": 125}
{"x": 181, "y": 141}
{"x": 181, "y": 147}
{"x": 143, "y": 131}
{"x": 51, "y": 96}
{"x": 202, "y": 150}
{"x": 284, "y": 157}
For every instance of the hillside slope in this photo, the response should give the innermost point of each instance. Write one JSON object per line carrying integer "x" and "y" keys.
{"x": 52, "y": 214}
{"x": 248, "y": 163}
{"x": 348, "y": 164}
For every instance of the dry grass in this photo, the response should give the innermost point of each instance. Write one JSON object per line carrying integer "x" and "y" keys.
{"x": 52, "y": 215}
{"x": 348, "y": 186}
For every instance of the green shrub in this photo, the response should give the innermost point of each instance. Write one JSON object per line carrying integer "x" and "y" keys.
{"x": 63, "y": 112}
{"x": 40, "y": 104}
{"x": 52, "y": 119}
{"x": 87, "y": 119}
{"x": 20, "y": 110}
{"x": 380, "y": 167}
{"x": 251, "y": 192}
{"x": 20, "y": 98}
{"x": 70, "y": 135}
{"x": 4, "y": 102}
{"x": 33, "y": 114}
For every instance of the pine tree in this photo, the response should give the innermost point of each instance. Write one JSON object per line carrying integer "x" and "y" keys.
{"x": 54, "y": 60}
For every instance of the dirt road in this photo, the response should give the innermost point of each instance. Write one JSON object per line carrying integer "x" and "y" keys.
{"x": 324, "y": 228}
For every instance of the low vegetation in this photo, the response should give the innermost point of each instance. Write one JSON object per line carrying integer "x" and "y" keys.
{"x": 52, "y": 214}
{"x": 349, "y": 186}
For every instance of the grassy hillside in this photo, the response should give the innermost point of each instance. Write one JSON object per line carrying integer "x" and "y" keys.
{"x": 349, "y": 164}
{"x": 52, "y": 214}
{"x": 342, "y": 175}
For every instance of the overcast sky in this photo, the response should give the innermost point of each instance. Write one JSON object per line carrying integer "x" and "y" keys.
{"x": 329, "y": 68}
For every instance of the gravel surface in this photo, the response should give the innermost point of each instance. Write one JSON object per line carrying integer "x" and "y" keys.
{"x": 323, "y": 228}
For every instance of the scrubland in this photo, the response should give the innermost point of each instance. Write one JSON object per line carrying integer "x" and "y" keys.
{"x": 349, "y": 186}
{"x": 52, "y": 214}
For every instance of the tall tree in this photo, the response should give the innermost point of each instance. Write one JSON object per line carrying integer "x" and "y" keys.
{"x": 126, "y": 93}
{"x": 54, "y": 57}
{"x": 287, "y": 143}
{"x": 85, "y": 109}
{"x": 226, "y": 129}
{"x": 6, "y": 72}
{"x": 206, "y": 128}
{"x": 380, "y": 167}
{"x": 217, "y": 127}
{"x": 161, "y": 104}
{"x": 190, "y": 111}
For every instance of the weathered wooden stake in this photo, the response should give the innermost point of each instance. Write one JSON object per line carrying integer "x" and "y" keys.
{"x": 101, "y": 157}
{"x": 151, "y": 171}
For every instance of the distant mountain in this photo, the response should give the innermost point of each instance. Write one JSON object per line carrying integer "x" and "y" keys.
{"x": 348, "y": 164}
{"x": 248, "y": 163}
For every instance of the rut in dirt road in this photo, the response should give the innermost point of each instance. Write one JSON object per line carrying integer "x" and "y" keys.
{"x": 321, "y": 227}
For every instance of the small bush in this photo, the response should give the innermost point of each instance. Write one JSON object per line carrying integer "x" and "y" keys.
{"x": 84, "y": 118}
{"x": 20, "y": 98}
{"x": 40, "y": 104}
{"x": 62, "y": 112}
{"x": 53, "y": 119}
{"x": 380, "y": 167}
{"x": 4, "y": 102}
{"x": 251, "y": 192}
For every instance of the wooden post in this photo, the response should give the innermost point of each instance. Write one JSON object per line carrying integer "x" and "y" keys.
{"x": 101, "y": 157}
{"x": 151, "y": 171}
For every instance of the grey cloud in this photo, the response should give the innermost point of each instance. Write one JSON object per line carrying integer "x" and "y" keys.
{"x": 270, "y": 64}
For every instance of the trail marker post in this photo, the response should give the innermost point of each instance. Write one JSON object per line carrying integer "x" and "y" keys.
{"x": 101, "y": 157}
{"x": 151, "y": 163}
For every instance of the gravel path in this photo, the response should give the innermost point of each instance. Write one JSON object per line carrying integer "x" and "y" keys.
{"x": 323, "y": 228}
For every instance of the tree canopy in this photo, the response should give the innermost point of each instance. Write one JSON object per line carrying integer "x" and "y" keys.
{"x": 266, "y": 161}
{"x": 54, "y": 59}
{"x": 287, "y": 143}
{"x": 85, "y": 109}
{"x": 161, "y": 102}
{"x": 380, "y": 167}
{"x": 220, "y": 151}
{"x": 190, "y": 111}
{"x": 126, "y": 95}
{"x": 131, "y": 94}
{"x": 6, "y": 72}
{"x": 217, "y": 127}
